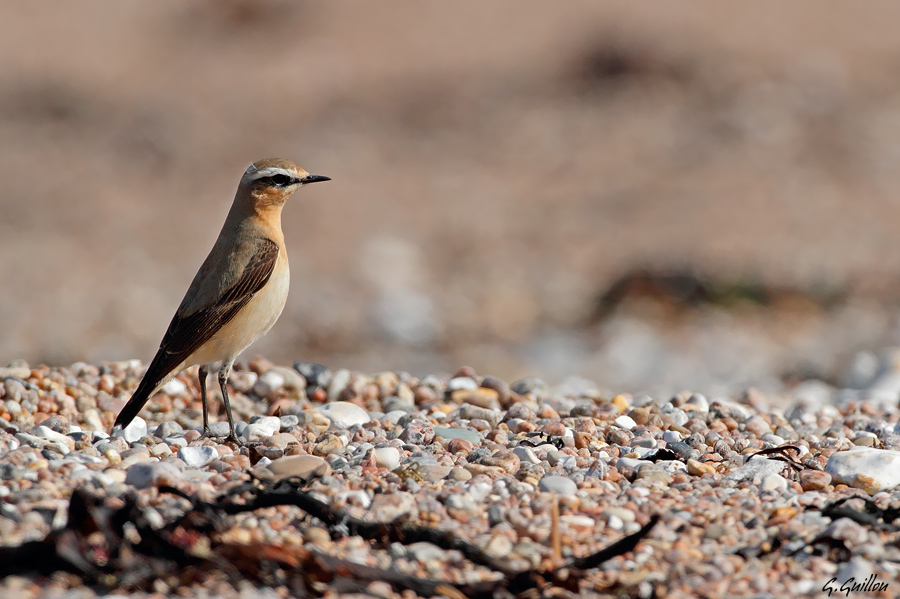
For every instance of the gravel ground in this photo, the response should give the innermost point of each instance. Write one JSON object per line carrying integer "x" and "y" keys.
{"x": 482, "y": 459}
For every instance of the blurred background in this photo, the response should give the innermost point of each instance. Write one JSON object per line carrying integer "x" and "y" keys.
{"x": 653, "y": 196}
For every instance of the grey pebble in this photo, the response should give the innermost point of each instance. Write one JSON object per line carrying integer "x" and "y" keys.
{"x": 531, "y": 384}
{"x": 561, "y": 485}
{"x": 167, "y": 429}
{"x": 470, "y": 412}
{"x": 756, "y": 469}
{"x": 316, "y": 375}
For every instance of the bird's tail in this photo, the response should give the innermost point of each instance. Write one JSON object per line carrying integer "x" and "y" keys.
{"x": 145, "y": 389}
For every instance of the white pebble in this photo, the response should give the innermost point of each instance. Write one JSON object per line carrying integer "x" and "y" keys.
{"x": 866, "y": 468}
{"x": 194, "y": 457}
{"x": 626, "y": 422}
{"x": 387, "y": 457}
{"x": 344, "y": 414}
{"x": 135, "y": 430}
{"x": 268, "y": 383}
{"x": 174, "y": 387}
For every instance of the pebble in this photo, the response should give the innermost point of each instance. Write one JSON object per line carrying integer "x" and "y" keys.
{"x": 458, "y": 433}
{"x": 772, "y": 482}
{"x": 498, "y": 450}
{"x": 267, "y": 384}
{"x": 316, "y": 375}
{"x": 531, "y": 385}
{"x": 871, "y": 470}
{"x": 135, "y": 430}
{"x": 194, "y": 457}
{"x": 756, "y": 469}
{"x": 387, "y": 457}
{"x": 470, "y": 412}
{"x": 152, "y": 474}
{"x": 625, "y": 422}
{"x": 561, "y": 485}
{"x": 526, "y": 455}
{"x": 302, "y": 466}
{"x": 344, "y": 415}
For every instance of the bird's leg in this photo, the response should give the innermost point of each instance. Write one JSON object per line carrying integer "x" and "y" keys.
{"x": 201, "y": 374}
{"x": 223, "y": 384}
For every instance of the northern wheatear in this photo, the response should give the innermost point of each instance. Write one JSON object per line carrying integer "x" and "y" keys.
{"x": 238, "y": 293}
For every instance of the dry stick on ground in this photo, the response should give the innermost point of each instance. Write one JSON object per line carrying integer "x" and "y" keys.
{"x": 116, "y": 547}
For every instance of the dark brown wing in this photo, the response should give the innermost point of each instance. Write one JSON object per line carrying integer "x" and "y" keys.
{"x": 186, "y": 333}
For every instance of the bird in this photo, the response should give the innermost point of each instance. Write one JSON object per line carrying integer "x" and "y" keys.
{"x": 236, "y": 296}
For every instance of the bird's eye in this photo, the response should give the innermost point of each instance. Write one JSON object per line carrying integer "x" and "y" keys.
{"x": 281, "y": 180}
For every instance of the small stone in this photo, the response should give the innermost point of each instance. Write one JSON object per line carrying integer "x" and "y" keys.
{"x": 338, "y": 383}
{"x": 458, "y": 433}
{"x": 470, "y": 412}
{"x": 168, "y": 429}
{"x": 302, "y": 466}
{"x": 387, "y": 507}
{"x": 621, "y": 403}
{"x": 262, "y": 428}
{"x": 344, "y": 415}
{"x": 560, "y": 485}
{"x": 625, "y": 422}
{"x": 195, "y": 457}
{"x": 161, "y": 450}
{"x": 293, "y": 381}
{"x": 756, "y": 425}
{"x": 174, "y": 387}
{"x": 280, "y": 440}
{"x": 152, "y": 474}
{"x": 316, "y": 375}
{"x": 135, "y": 430}
{"x": 526, "y": 455}
{"x": 57, "y": 424}
{"x": 220, "y": 428}
{"x": 755, "y": 470}
{"x": 417, "y": 433}
{"x": 459, "y": 445}
{"x": 313, "y": 420}
{"x": 44, "y": 432}
{"x": 499, "y": 547}
{"x": 772, "y": 483}
{"x": 328, "y": 444}
{"x": 697, "y": 468}
{"x": 387, "y": 457}
{"x": 459, "y": 474}
{"x": 461, "y": 383}
{"x": 507, "y": 460}
{"x": 483, "y": 398}
{"x": 533, "y": 385}
{"x": 289, "y": 420}
{"x": 498, "y": 385}
{"x": 871, "y": 470}
{"x": 814, "y": 480}
{"x": 654, "y": 473}
{"x": 267, "y": 384}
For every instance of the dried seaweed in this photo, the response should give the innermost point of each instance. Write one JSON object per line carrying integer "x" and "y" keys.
{"x": 111, "y": 544}
{"x": 872, "y": 515}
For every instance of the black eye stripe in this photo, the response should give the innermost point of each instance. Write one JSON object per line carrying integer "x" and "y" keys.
{"x": 276, "y": 180}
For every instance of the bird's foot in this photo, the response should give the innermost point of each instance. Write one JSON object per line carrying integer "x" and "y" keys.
{"x": 233, "y": 438}
{"x": 230, "y": 438}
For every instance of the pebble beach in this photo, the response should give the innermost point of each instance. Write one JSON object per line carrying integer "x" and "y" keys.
{"x": 745, "y": 487}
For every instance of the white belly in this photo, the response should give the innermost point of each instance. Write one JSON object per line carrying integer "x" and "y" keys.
{"x": 252, "y": 322}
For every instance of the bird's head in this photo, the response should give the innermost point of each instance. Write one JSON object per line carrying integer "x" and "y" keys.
{"x": 273, "y": 180}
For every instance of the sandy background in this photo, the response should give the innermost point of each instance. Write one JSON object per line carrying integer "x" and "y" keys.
{"x": 496, "y": 168}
